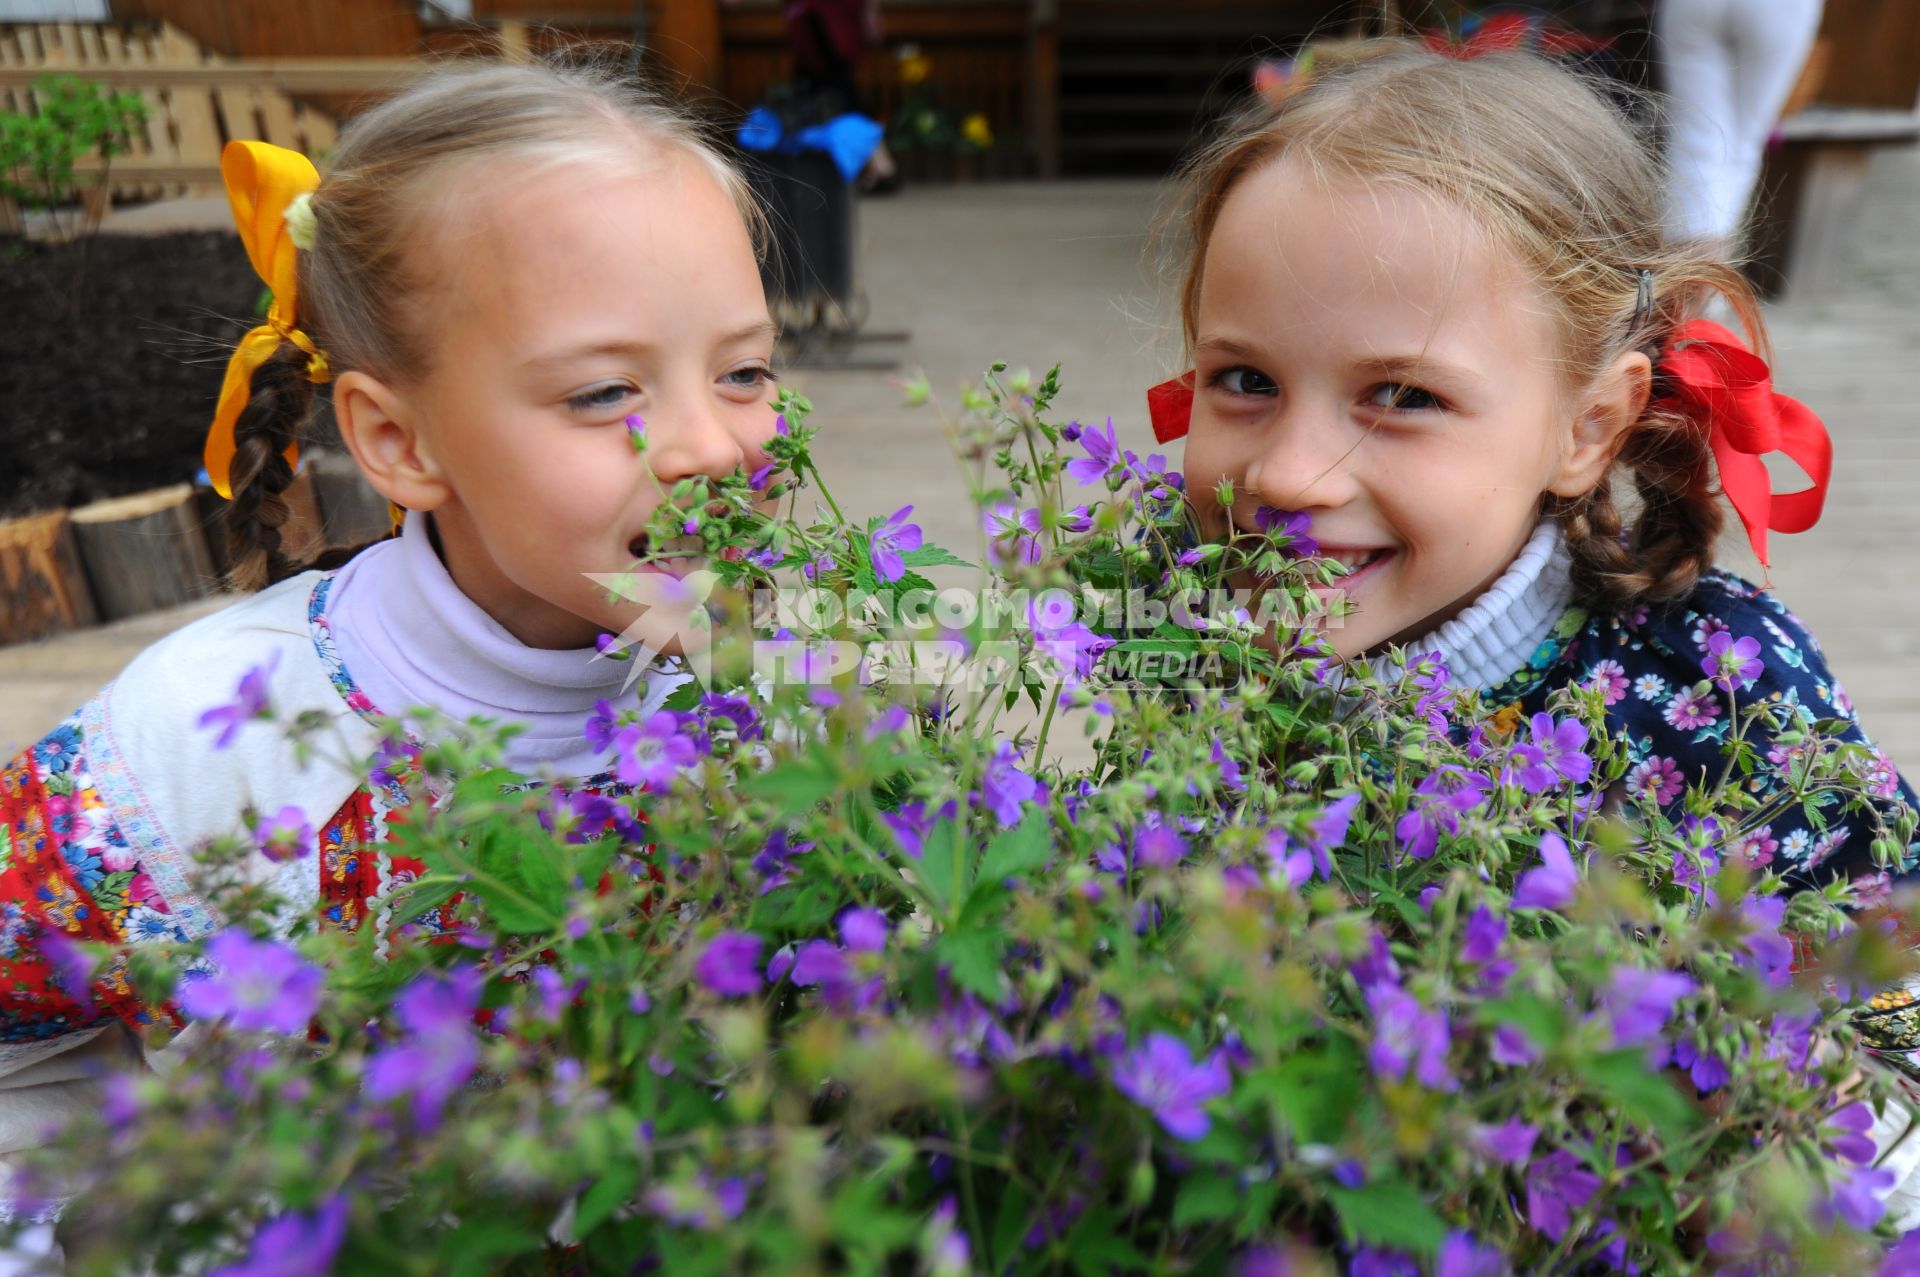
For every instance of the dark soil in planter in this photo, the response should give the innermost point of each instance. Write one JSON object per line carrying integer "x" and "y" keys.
{"x": 111, "y": 354}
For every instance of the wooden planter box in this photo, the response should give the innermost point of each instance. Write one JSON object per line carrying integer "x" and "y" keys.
{"x": 43, "y": 587}
{"x": 144, "y": 552}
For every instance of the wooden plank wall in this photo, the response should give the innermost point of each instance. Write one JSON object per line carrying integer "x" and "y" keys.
{"x": 1874, "y": 54}
{"x": 286, "y": 29}
{"x": 178, "y": 150}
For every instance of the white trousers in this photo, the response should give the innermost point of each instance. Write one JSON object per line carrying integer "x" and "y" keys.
{"x": 1729, "y": 66}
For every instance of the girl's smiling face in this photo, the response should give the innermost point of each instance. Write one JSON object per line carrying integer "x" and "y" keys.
{"x": 1364, "y": 356}
{"x": 567, "y": 300}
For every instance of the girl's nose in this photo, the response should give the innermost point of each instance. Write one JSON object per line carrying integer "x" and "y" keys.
{"x": 692, "y": 438}
{"x": 1306, "y": 463}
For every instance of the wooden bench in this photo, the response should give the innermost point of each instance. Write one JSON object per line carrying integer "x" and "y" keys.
{"x": 1811, "y": 192}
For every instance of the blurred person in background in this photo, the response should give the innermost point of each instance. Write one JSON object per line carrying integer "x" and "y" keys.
{"x": 1729, "y": 66}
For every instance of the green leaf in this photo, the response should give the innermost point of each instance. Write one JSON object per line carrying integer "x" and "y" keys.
{"x": 615, "y": 1185}
{"x": 1009, "y": 1227}
{"x": 974, "y": 957}
{"x": 1315, "y": 1090}
{"x": 1389, "y": 1213}
{"x": 1543, "y": 1022}
{"x": 474, "y": 1249}
{"x": 1018, "y": 851}
{"x": 794, "y": 787}
{"x": 418, "y": 900}
{"x": 1648, "y": 1098}
{"x": 943, "y": 869}
{"x": 932, "y": 556}
{"x": 1204, "y": 1198}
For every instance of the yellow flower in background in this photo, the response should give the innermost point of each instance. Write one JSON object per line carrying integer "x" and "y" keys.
{"x": 914, "y": 68}
{"x": 976, "y": 130}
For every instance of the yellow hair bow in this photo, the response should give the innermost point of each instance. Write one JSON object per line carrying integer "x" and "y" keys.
{"x": 262, "y": 180}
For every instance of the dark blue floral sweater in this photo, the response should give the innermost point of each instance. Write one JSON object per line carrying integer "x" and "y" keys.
{"x": 1648, "y": 663}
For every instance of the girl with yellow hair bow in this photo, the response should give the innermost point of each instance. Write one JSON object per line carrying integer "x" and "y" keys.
{"x": 508, "y": 275}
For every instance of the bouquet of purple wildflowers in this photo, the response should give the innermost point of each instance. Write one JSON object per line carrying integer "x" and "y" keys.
{"x": 1293, "y": 968}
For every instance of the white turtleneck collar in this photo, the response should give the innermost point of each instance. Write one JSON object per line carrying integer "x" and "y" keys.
{"x": 1495, "y": 636}
{"x": 409, "y": 637}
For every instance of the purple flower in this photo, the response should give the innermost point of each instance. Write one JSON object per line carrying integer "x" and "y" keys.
{"x": 260, "y": 986}
{"x": 295, "y": 1245}
{"x": 1439, "y": 802}
{"x": 653, "y": 753}
{"x": 1510, "y": 1142}
{"x": 819, "y": 962}
{"x": 1903, "y": 1260}
{"x": 1009, "y": 540}
{"x": 1102, "y": 448}
{"x": 730, "y": 964}
{"x": 1375, "y": 1261}
{"x": 1639, "y": 1002}
{"x": 1552, "y": 884}
{"x": 944, "y": 1247}
{"x": 1730, "y": 660}
{"x": 1848, "y": 1132}
{"x": 1405, "y": 1033}
{"x": 1161, "y": 1077}
{"x": 1290, "y": 526}
{"x": 913, "y": 822}
{"x": 1375, "y": 965}
{"x": 1230, "y": 774}
{"x": 886, "y": 543}
{"x": 286, "y": 837}
{"x": 1264, "y": 1261}
{"x": 1461, "y": 1256}
{"x": 249, "y": 702}
{"x": 1327, "y": 831}
{"x": 1554, "y": 757}
{"x": 1004, "y": 788}
{"x": 73, "y": 966}
{"x": 1485, "y": 932}
{"x": 1557, "y": 1185}
{"x": 1157, "y": 845}
{"x": 439, "y": 1050}
{"x": 1513, "y": 1048}
{"x": 1707, "y": 1070}
{"x": 863, "y": 930}
{"x": 1066, "y": 640}
{"x": 1768, "y": 953}
{"x": 705, "y": 1204}
{"x": 1857, "y": 1196}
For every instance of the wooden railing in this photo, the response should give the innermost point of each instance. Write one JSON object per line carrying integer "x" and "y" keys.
{"x": 195, "y": 102}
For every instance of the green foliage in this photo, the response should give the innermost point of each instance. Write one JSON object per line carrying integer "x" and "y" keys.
{"x": 74, "y": 119}
{"x": 1144, "y": 1010}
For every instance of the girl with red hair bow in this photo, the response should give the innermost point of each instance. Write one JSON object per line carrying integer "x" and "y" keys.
{"x": 1435, "y": 326}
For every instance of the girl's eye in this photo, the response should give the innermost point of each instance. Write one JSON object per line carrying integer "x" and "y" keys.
{"x": 610, "y": 395}
{"x": 1245, "y": 381}
{"x": 751, "y": 375}
{"x": 1398, "y": 396}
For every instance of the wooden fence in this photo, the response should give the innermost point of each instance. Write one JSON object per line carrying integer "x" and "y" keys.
{"x": 196, "y": 102}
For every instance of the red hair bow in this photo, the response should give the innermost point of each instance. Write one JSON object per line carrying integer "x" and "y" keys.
{"x": 1712, "y": 377}
{"x": 1170, "y": 407}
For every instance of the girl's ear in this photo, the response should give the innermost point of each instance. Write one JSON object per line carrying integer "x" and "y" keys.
{"x": 386, "y": 443}
{"x": 1613, "y": 405}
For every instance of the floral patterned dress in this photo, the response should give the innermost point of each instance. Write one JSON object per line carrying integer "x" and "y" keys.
{"x": 1651, "y": 666}
{"x": 84, "y": 856}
